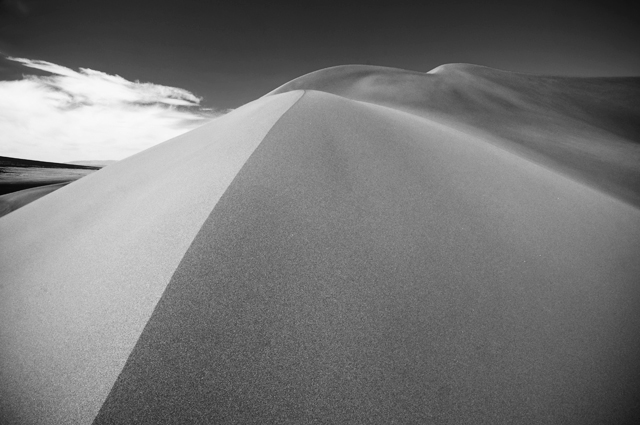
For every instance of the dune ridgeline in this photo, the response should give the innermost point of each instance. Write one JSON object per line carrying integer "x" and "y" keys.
{"x": 361, "y": 245}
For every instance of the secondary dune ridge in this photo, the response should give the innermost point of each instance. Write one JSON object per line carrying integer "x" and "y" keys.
{"x": 334, "y": 252}
{"x": 587, "y": 128}
{"x": 23, "y": 181}
{"x": 20, "y": 174}
{"x": 15, "y": 200}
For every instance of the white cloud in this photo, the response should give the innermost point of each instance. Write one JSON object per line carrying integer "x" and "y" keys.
{"x": 88, "y": 114}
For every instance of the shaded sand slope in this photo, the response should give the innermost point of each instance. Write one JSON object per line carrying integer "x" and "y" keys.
{"x": 14, "y": 200}
{"x": 588, "y": 128}
{"x": 82, "y": 268}
{"x": 370, "y": 266}
{"x": 310, "y": 258}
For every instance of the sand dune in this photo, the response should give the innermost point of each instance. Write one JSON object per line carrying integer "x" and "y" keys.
{"x": 23, "y": 181}
{"x": 20, "y": 174}
{"x": 94, "y": 162}
{"x": 84, "y": 267}
{"x": 587, "y": 128}
{"x": 363, "y": 245}
{"x": 14, "y": 200}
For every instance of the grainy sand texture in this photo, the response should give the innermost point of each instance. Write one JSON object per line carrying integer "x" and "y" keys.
{"x": 362, "y": 245}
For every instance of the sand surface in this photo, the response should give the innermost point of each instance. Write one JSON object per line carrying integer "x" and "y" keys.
{"x": 366, "y": 265}
{"x": 587, "y": 128}
{"x": 336, "y": 252}
{"x": 82, "y": 268}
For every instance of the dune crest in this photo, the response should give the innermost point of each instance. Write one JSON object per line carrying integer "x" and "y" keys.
{"x": 586, "y": 128}
{"x": 363, "y": 245}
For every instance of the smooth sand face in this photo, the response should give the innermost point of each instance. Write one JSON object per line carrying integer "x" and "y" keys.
{"x": 365, "y": 257}
{"x": 82, "y": 268}
{"x": 370, "y": 266}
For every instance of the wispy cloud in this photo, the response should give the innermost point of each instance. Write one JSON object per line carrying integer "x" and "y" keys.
{"x": 89, "y": 114}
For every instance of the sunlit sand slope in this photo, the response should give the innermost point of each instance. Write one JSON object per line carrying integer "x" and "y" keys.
{"x": 369, "y": 266}
{"x": 82, "y": 268}
{"x": 349, "y": 257}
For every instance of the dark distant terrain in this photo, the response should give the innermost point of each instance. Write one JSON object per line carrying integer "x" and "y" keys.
{"x": 18, "y": 174}
{"x": 23, "y": 181}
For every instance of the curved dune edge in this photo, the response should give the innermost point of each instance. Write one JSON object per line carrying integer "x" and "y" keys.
{"x": 322, "y": 257}
{"x": 585, "y": 128}
{"x": 82, "y": 268}
{"x": 366, "y": 265}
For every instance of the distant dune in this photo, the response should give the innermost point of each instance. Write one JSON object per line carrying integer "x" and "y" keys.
{"x": 93, "y": 163}
{"x": 19, "y": 174}
{"x": 362, "y": 245}
{"x": 28, "y": 163}
{"x": 587, "y": 128}
{"x": 14, "y": 200}
{"x": 20, "y": 180}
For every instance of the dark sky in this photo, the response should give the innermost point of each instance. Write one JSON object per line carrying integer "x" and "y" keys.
{"x": 232, "y": 52}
